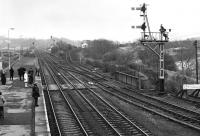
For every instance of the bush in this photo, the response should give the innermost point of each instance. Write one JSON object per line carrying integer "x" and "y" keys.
{"x": 111, "y": 56}
{"x": 97, "y": 48}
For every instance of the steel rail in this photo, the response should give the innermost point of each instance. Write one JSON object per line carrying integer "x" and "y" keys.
{"x": 166, "y": 103}
{"x": 152, "y": 111}
{"x": 143, "y": 132}
{"x": 184, "y": 123}
{"x": 103, "y": 116}
{"x": 60, "y": 88}
{"x": 47, "y": 89}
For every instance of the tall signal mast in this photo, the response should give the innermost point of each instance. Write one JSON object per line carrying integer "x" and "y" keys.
{"x": 155, "y": 41}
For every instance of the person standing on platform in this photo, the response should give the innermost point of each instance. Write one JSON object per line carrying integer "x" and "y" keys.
{"x": 30, "y": 74}
{"x": 3, "y": 77}
{"x": 26, "y": 79}
{"x": 11, "y": 73}
{"x": 35, "y": 94}
{"x": 2, "y": 101}
{"x": 23, "y": 72}
{"x": 19, "y": 73}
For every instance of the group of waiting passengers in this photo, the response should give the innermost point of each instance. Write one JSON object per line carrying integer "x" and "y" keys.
{"x": 23, "y": 74}
{"x": 26, "y": 77}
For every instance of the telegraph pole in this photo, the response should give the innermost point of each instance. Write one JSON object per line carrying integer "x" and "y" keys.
{"x": 9, "y": 47}
{"x": 154, "y": 40}
{"x": 196, "y": 92}
{"x": 196, "y": 54}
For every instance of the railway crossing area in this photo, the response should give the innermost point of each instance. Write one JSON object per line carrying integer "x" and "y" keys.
{"x": 21, "y": 117}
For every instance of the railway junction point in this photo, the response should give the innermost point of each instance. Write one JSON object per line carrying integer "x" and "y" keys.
{"x": 21, "y": 117}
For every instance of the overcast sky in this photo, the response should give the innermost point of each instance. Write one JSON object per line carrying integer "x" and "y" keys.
{"x": 94, "y": 19}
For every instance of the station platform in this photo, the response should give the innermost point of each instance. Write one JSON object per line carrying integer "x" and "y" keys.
{"x": 22, "y": 118}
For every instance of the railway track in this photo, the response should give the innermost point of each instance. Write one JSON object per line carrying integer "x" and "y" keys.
{"x": 126, "y": 127}
{"x": 63, "y": 119}
{"x": 166, "y": 110}
{"x": 170, "y": 111}
{"x": 178, "y": 113}
{"x": 118, "y": 121}
{"x": 155, "y": 101}
{"x": 180, "y": 116}
{"x": 53, "y": 124}
{"x": 190, "y": 99}
{"x": 118, "y": 130}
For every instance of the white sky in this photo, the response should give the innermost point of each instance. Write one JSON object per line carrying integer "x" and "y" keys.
{"x": 94, "y": 19}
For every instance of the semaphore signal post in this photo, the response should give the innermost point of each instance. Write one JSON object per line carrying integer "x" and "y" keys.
{"x": 155, "y": 41}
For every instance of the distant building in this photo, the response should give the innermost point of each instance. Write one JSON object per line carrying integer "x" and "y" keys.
{"x": 5, "y": 49}
{"x": 174, "y": 51}
{"x": 185, "y": 64}
{"x": 84, "y": 45}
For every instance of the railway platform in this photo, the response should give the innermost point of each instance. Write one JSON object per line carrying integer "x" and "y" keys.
{"x": 21, "y": 117}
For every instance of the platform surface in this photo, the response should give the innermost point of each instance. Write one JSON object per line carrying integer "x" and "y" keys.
{"x": 20, "y": 118}
{"x": 18, "y": 109}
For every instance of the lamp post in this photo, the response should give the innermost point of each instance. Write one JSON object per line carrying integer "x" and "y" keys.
{"x": 21, "y": 48}
{"x": 9, "y": 46}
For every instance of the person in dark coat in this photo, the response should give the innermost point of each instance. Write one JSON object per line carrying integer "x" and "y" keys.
{"x": 2, "y": 101}
{"x": 11, "y": 73}
{"x": 30, "y": 75}
{"x": 3, "y": 77}
{"x": 20, "y": 73}
{"x": 35, "y": 93}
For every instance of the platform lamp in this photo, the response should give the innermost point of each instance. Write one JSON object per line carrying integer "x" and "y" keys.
{"x": 9, "y": 46}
